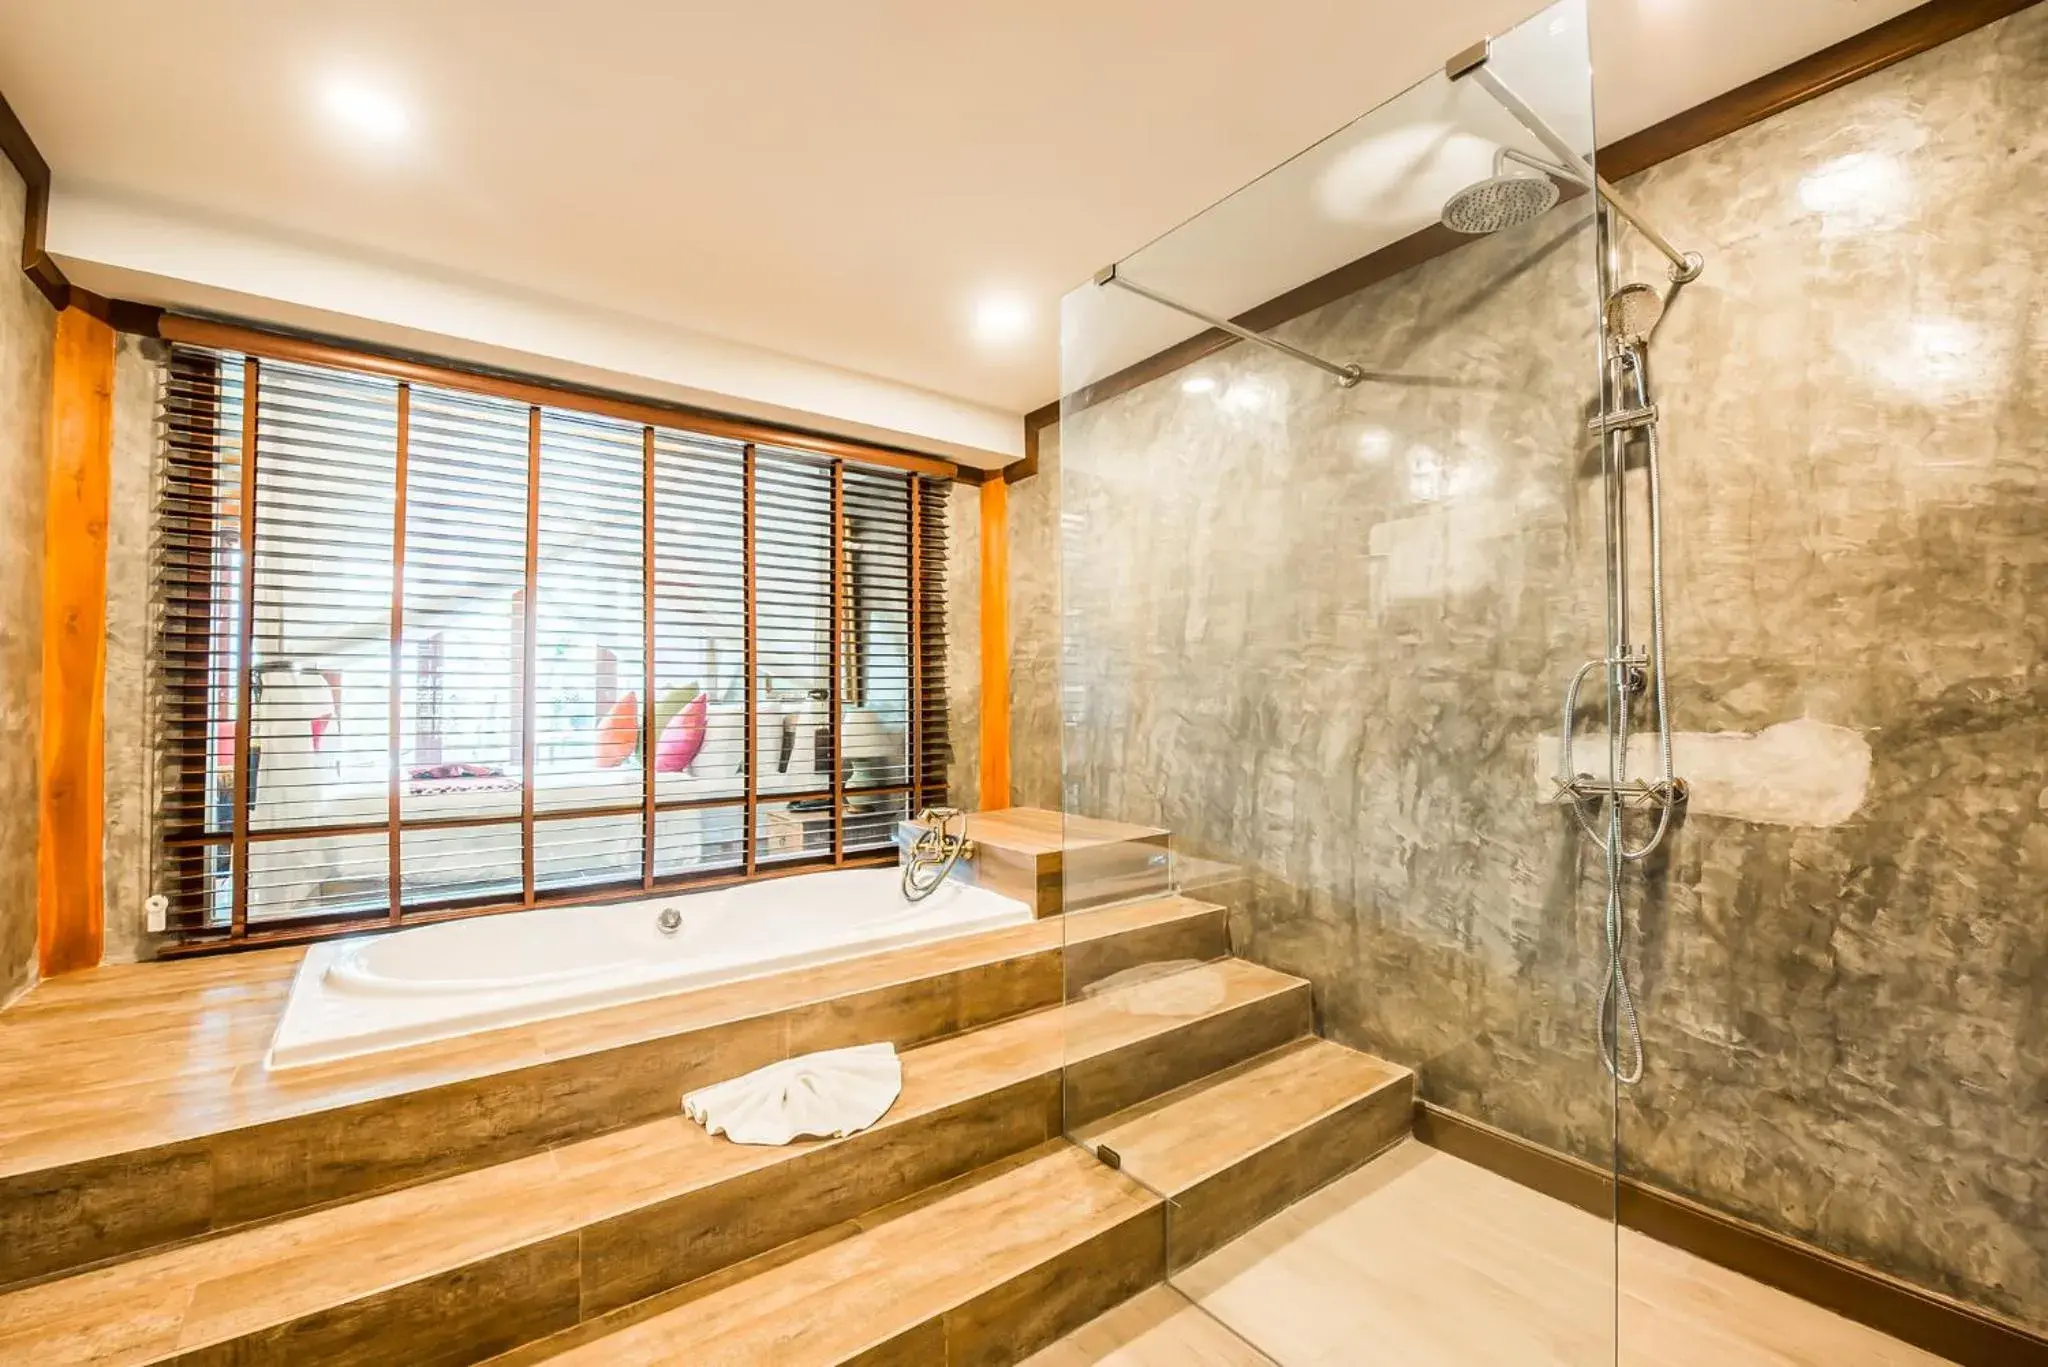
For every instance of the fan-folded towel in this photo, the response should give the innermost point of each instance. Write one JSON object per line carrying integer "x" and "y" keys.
{"x": 826, "y": 1095}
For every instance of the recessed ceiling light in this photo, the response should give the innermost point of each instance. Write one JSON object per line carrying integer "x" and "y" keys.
{"x": 1198, "y": 384}
{"x": 1001, "y": 318}
{"x": 368, "y": 111}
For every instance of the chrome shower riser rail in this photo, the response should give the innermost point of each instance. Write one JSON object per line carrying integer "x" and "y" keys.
{"x": 1345, "y": 375}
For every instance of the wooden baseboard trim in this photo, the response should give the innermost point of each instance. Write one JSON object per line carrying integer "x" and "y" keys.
{"x": 1963, "y": 1333}
{"x": 1558, "y": 1175}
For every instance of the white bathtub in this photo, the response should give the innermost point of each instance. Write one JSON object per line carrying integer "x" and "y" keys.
{"x": 376, "y": 992}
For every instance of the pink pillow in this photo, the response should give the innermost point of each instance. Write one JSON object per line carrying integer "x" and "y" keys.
{"x": 683, "y": 737}
{"x": 618, "y": 732}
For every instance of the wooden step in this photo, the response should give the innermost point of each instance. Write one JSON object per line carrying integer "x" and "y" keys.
{"x": 985, "y": 1273}
{"x": 1055, "y": 861}
{"x": 139, "y": 1113}
{"x": 1234, "y": 1148}
{"x": 1111, "y": 940}
{"x": 483, "y": 1260}
{"x": 1227, "y": 1012}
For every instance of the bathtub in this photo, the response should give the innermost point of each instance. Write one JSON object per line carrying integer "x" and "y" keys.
{"x": 375, "y": 992}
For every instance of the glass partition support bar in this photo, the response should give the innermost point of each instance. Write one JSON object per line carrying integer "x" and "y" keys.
{"x": 1472, "y": 62}
{"x": 1345, "y": 375}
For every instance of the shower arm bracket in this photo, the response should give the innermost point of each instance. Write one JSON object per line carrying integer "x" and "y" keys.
{"x": 1472, "y": 62}
{"x": 1345, "y": 375}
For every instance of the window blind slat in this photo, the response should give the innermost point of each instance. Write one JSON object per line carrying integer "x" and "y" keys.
{"x": 736, "y": 652}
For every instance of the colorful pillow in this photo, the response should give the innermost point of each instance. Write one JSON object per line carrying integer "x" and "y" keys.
{"x": 618, "y": 733}
{"x": 672, "y": 702}
{"x": 683, "y": 737}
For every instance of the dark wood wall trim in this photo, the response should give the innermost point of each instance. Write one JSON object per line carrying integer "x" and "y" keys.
{"x": 35, "y": 175}
{"x": 36, "y": 262}
{"x": 1906, "y": 35}
{"x": 1951, "y": 1328}
{"x": 1559, "y": 1175}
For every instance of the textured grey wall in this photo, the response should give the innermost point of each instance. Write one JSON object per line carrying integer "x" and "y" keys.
{"x": 1318, "y": 632}
{"x": 1851, "y": 1022}
{"x": 27, "y": 331}
{"x": 129, "y": 764}
{"x": 1035, "y": 631}
{"x": 963, "y": 645}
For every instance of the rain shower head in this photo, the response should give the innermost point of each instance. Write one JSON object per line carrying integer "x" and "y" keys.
{"x": 1473, "y": 64}
{"x": 1501, "y": 201}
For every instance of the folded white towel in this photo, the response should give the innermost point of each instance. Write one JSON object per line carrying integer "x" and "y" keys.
{"x": 824, "y": 1095}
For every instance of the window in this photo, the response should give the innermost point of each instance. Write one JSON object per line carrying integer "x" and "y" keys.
{"x": 428, "y": 650}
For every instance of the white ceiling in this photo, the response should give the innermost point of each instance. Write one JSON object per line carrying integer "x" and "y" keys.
{"x": 831, "y": 181}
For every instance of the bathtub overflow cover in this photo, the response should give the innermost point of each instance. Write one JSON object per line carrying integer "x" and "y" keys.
{"x": 670, "y": 920}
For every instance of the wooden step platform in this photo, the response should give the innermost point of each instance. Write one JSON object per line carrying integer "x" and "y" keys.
{"x": 1111, "y": 940}
{"x": 139, "y": 1113}
{"x": 1242, "y": 1144}
{"x": 481, "y": 1261}
{"x": 1005, "y": 1261}
{"x": 1055, "y": 861}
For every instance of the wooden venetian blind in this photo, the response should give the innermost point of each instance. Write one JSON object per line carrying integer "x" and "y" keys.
{"x": 426, "y": 651}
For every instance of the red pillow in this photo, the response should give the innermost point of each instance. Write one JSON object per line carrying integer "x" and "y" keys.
{"x": 619, "y": 732}
{"x": 683, "y": 737}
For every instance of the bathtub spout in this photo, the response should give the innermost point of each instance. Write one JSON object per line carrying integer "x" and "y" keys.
{"x": 936, "y": 848}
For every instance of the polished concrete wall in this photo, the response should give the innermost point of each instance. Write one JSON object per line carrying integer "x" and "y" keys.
{"x": 130, "y": 759}
{"x": 1321, "y": 633}
{"x": 963, "y": 645}
{"x": 27, "y": 333}
{"x": 1035, "y": 631}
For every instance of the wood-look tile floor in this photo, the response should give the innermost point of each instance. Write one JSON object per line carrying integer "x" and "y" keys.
{"x": 1156, "y": 1328}
{"x": 1419, "y": 1259}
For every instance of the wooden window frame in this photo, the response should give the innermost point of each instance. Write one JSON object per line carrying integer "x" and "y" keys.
{"x": 196, "y": 926}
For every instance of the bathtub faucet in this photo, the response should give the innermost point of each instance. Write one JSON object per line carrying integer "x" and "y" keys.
{"x": 936, "y": 847}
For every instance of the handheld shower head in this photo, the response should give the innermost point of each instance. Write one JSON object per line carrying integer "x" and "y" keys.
{"x": 1500, "y": 201}
{"x": 1632, "y": 315}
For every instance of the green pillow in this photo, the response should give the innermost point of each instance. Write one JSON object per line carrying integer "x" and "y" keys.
{"x": 672, "y": 702}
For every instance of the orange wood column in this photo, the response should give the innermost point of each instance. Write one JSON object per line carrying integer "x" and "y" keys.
{"x": 78, "y": 449}
{"x": 995, "y": 644}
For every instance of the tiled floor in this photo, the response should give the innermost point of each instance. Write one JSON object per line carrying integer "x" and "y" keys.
{"x": 1156, "y": 1328}
{"x": 1420, "y": 1259}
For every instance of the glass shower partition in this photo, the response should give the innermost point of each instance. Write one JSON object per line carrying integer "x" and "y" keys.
{"x": 1318, "y": 601}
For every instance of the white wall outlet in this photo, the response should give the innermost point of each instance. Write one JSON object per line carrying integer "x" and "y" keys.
{"x": 158, "y": 907}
